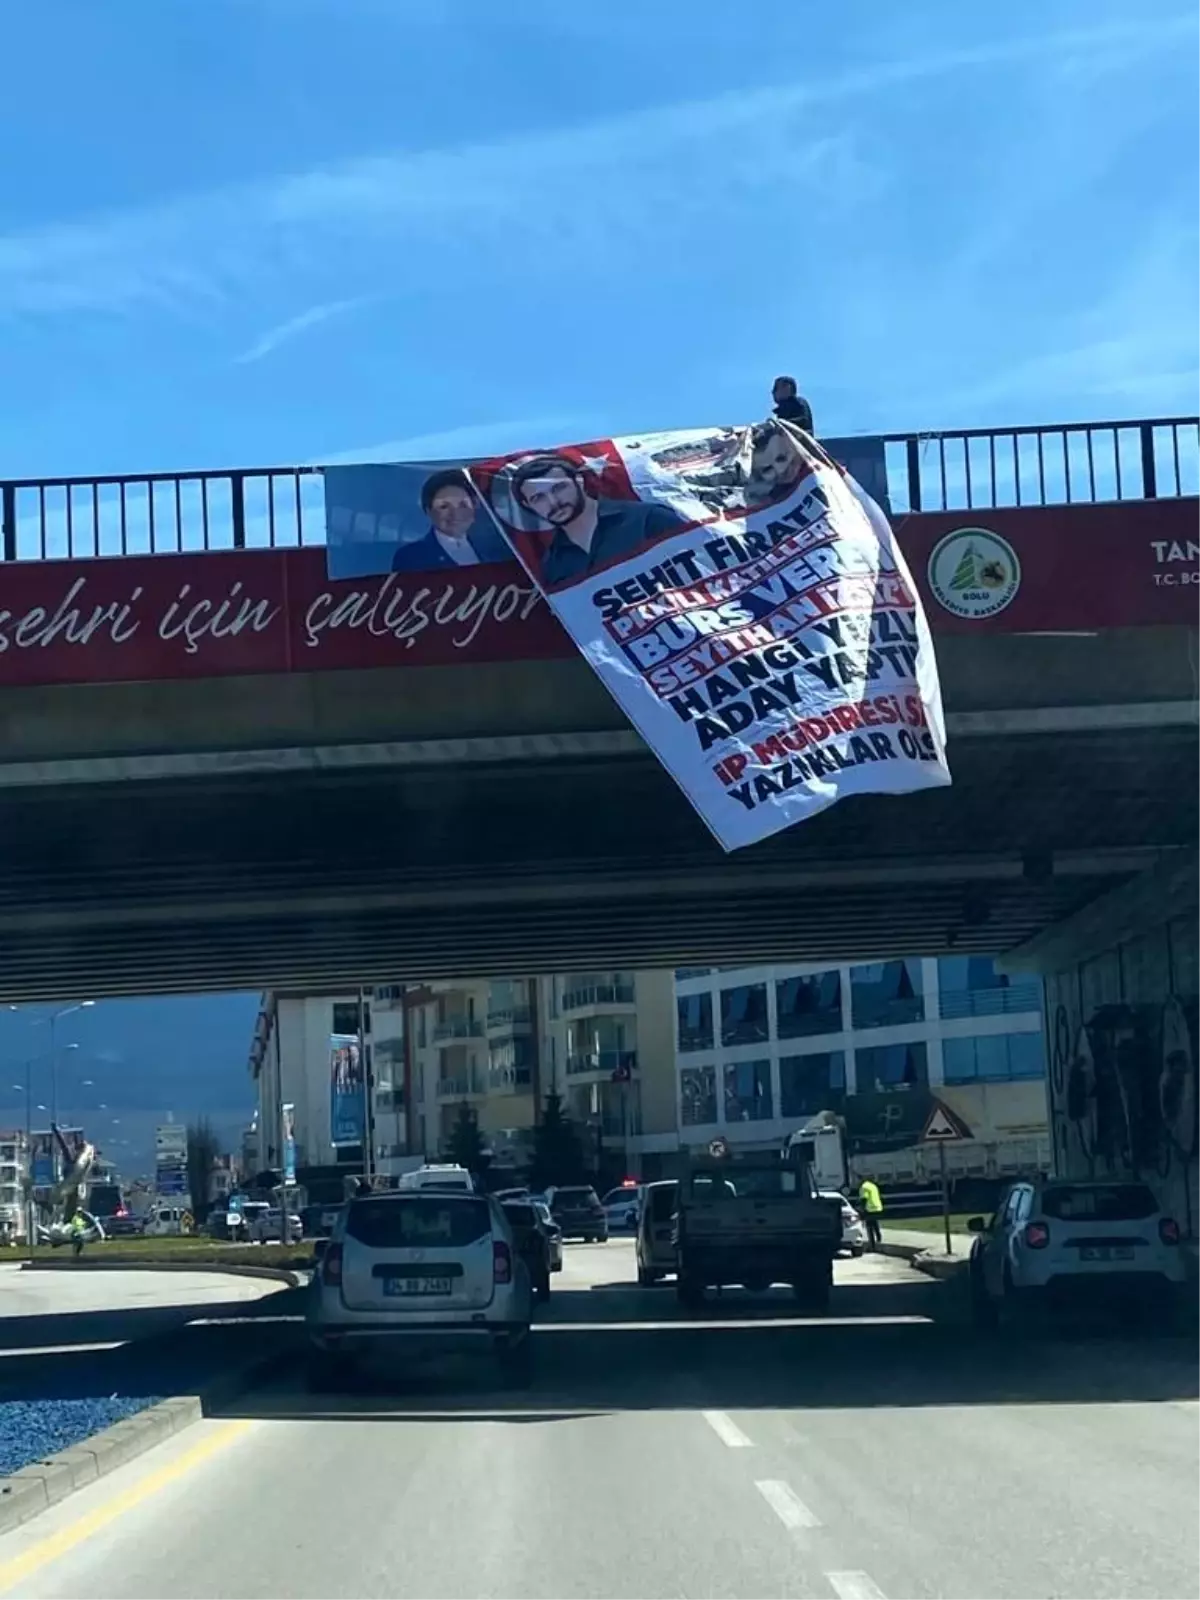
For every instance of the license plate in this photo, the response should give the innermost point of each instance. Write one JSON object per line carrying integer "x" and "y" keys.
{"x": 416, "y": 1286}
{"x": 1103, "y": 1252}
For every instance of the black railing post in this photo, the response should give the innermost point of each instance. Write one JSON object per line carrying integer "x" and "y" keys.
{"x": 8, "y": 522}
{"x": 1149, "y": 469}
{"x": 237, "y": 489}
{"x": 914, "y": 473}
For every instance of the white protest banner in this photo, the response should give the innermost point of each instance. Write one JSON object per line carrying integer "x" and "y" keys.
{"x": 746, "y": 604}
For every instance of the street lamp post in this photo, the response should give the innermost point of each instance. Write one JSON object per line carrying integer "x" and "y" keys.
{"x": 27, "y": 1086}
{"x": 53, "y": 1019}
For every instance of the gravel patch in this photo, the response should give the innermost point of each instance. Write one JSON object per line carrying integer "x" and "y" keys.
{"x": 31, "y": 1430}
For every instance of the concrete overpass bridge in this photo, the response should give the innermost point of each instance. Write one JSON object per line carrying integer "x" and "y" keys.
{"x": 219, "y": 769}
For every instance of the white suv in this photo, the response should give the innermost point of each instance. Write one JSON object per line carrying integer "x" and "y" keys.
{"x": 418, "y": 1269}
{"x": 1062, "y": 1243}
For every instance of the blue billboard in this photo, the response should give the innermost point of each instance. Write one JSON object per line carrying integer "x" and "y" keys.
{"x": 347, "y": 1086}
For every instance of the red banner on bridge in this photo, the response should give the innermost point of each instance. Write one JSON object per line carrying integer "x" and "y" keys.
{"x": 1039, "y": 569}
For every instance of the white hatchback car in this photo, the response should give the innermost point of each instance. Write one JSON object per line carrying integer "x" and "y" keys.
{"x": 1060, "y": 1243}
{"x": 418, "y": 1270}
{"x": 854, "y": 1229}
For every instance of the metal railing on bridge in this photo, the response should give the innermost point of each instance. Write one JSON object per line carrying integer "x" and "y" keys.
{"x": 279, "y": 507}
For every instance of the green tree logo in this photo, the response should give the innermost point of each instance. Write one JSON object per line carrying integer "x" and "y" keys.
{"x": 966, "y": 574}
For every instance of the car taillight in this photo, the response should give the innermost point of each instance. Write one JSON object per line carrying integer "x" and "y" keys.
{"x": 1168, "y": 1230}
{"x": 501, "y": 1262}
{"x": 1037, "y": 1235}
{"x": 331, "y": 1266}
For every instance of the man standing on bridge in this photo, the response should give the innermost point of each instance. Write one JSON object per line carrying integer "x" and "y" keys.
{"x": 871, "y": 1201}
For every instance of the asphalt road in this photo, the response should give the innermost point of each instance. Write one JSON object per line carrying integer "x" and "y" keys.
{"x": 880, "y": 1451}
{"x": 51, "y": 1294}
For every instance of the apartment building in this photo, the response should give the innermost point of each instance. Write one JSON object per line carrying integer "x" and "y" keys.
{"x": 648, "y": 1063}
{"x": 290, "y": 1064}
{"x": 603, "y": 1041}
{"x": 14, "y": 1169}
{"x": 760, "y": 1049}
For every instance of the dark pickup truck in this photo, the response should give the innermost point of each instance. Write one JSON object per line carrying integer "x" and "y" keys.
{"x": 753, "y": 1223}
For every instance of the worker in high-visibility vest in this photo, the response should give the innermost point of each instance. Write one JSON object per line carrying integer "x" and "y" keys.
{"x": 871, "y": 1202}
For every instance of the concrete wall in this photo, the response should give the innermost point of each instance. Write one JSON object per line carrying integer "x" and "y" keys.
{"x": 1119, "y": 1106}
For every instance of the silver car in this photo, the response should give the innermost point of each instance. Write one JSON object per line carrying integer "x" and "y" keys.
{"x": 418, "y": 1270}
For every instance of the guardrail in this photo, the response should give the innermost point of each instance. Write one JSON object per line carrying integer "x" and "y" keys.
{"x": 279, "y": 507}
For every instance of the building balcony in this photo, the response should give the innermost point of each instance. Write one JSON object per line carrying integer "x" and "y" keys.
{"x": 610, "y": 1065}
{"x": 454, "y": 1029}
{"x": 510, "y": 1080}
{"x": 599, "y": 997}
{"x": 460, "y": 1086}
{"x": 509, "y": 1022}
{"x": 995, "y": 1002}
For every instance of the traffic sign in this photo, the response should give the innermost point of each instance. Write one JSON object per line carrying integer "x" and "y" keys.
{"x": 943, "y": 1126}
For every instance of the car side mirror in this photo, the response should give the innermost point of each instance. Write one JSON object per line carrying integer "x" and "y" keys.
{"x": 976, "y": 1224}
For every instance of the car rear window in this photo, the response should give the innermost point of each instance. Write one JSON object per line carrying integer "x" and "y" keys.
{"x": 522, "y": 1216}
{"x": 662, "y": 1203}
{"x": 1110, "y": 1202}
{"x": 105, "y": 1199}
{"x": 417, "y": 1220}
{"x": 575, "y": 1197}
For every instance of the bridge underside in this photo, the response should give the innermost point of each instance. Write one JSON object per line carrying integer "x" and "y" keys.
{"x": 379, "y": 874}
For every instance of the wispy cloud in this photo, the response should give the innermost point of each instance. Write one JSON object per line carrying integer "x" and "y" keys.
{"x": 531, "y": 200}
{"x": 472, "y": 439}
{"x": 283, "y": 332}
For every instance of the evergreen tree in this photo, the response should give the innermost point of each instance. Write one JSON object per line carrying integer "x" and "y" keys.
{"x": 203, "y": 1148}
{"x": 465, "y": 1146}
{"x": 557, "y": 1150}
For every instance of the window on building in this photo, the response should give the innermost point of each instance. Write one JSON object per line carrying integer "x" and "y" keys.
{"x": 682, "y": 974}
{"x": 345, "y": 1017}
{"x": 887, "y": 992}
{"x": 510, "y": 1063}
{"x": 744, "y": 1014}
{"x": 891, "y": 1066}
{"x": 695, "y": 1017}
{"x": 698, "y": 1096}
{"x": 808, "y": 1084}
{"x": 748, "y": 1091}
{"x": 422, "y": 1028}
{"x": 994, "y": 1058}
{"x": 804, "y": 1006}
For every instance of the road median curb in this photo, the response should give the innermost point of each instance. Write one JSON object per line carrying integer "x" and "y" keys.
{"x": 933, "y": 1263}
{"x": 35, "y": 1488}
{"x": 289, "y": 1275}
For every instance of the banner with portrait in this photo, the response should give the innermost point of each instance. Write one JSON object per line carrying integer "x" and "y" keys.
{"x": 43, "y": 1159}
{"x": 423, "y": 517}
{"x": 745, "y": 602}
{"x": 347, "y": 1086}
{"x": 288, "y": 1119}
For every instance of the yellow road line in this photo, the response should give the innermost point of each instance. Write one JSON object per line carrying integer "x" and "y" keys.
{"x": 58, "y": 1544}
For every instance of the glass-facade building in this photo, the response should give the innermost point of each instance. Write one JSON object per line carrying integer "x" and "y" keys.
{"x": 759, "y": 1049}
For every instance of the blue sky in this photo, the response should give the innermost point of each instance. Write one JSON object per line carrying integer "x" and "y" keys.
{"x": 260, "y": 231}
{"x": 126, "y": 1065}
{"x": 250, "y": 232}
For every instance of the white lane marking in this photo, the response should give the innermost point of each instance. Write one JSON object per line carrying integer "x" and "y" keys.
{"x": 727, "y": 1430}
{"x": 786, "y": 1504}
{"x": 855, "y": 1586}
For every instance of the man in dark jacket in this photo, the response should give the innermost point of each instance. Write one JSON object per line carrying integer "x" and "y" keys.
{"x": 789, "y": 405}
